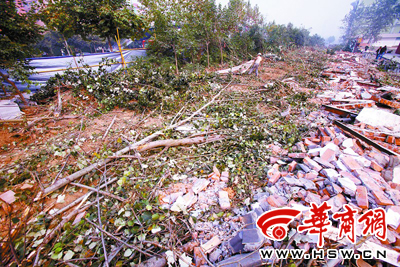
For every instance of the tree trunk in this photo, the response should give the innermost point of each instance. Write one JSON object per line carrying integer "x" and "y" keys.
{"x": 220, "y": 50}
{"x": 109, "y": 44}
{"x": 4, "y": 89}
{"x": 208, "y": 55}
{"x": 67, "y": 46}
{"x": 176, "y": 60}
{"x": 5, "y": 77}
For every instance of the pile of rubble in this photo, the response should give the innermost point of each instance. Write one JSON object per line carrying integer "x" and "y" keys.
{"x": 351, "y": 158}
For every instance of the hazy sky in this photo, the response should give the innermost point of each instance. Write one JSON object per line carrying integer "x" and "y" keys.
{"x": 323, "y": 17}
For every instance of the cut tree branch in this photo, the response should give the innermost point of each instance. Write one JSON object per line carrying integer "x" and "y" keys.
{"x": 64, "y": 181}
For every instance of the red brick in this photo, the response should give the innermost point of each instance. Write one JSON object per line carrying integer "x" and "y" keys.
{"x": 322, "y": 132}
{"x": 379, "y": 138}
{"x": 397, "y": 141}
{"x": 337, "y": 188}
{"x": 351, "y": 163}
{"x": 315, "y": 140}
{"x": 390, "y": 139}
{"x": 337, "y": 202}
{"x": 330, "y": 132}
{"x": 325, "y": 198}
{"x": 273, "y": 175}
{"x": 297, "y": 155}
{"x": 198, "y": 257}
{"x": 351, "y": 177}
{"x": 311, "y": 197}
{"x": 325, "y": 139}
{"x": 324, "y": 163}
{"x": 312, "y": 164}
{"x": 362, "y": 197}
{"x": 375, "y": 166}
{"x": 328, "y": 155}
{"x": 326, "y": 193}
{"x": 292, "y": 166}
{"x": 277, "y": 201}
{"x": 300, "y": 175}
{"x": 308, "y": 142}
{"x": 381, "y": 199}
{"x": 336, "y": 141}
{"x": 311, "y": 176}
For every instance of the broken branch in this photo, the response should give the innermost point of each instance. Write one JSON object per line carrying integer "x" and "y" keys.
{"x": 62, "y": 182}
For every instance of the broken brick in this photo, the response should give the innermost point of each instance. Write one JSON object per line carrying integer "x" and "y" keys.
{"x": 362, "y": 197}
{"x": 311, "y": 176}
{"x": 391, "y": 139}
{"x": 337, "y": 202}
{"x": 375, "y": 166}
{"x": 297, "y": 155}
{"x": 313, "y": 198}
{"x": 309, "y": 143}
{"x": 312, "y": 164}
{"x": 199, "y": 185}
{"x": 350, "y": 163}
{"x": 324, "y": 163}
{"x": 381, "y": 199}
{"x": 337, "y": 189}
{"x": 327, "y": 155}
{"x": 224, "y": 200}
{"x": 225, "y": 177}
{"x": 292, "y": 166}
{"x": 348, "y": 186}
{"x": 325, "y": 139}
{"x": 198, "y": 257}
{"x": 211, "y": 244}
{"x": 276, "y": 201}
{"x": 273, "y": 175}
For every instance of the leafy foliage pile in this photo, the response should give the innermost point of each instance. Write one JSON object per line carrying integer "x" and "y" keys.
{"x": 141, "y": 85}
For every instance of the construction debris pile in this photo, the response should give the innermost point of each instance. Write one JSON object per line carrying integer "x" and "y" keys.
{"x": 350, "y": 159}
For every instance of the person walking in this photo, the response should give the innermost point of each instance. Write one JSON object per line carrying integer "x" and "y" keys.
{"x": 256, "y": 64}
{"x": 378, "y": 52}
{"x": 382, "y": 52}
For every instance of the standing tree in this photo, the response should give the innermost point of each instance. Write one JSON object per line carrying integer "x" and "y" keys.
{"x": 18, "y": 33}
{"x": 169, "y": 18}
{"x": 85, "y": 17}
{"x": 381, "y": 15}
{"x": 369, "y": 21}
